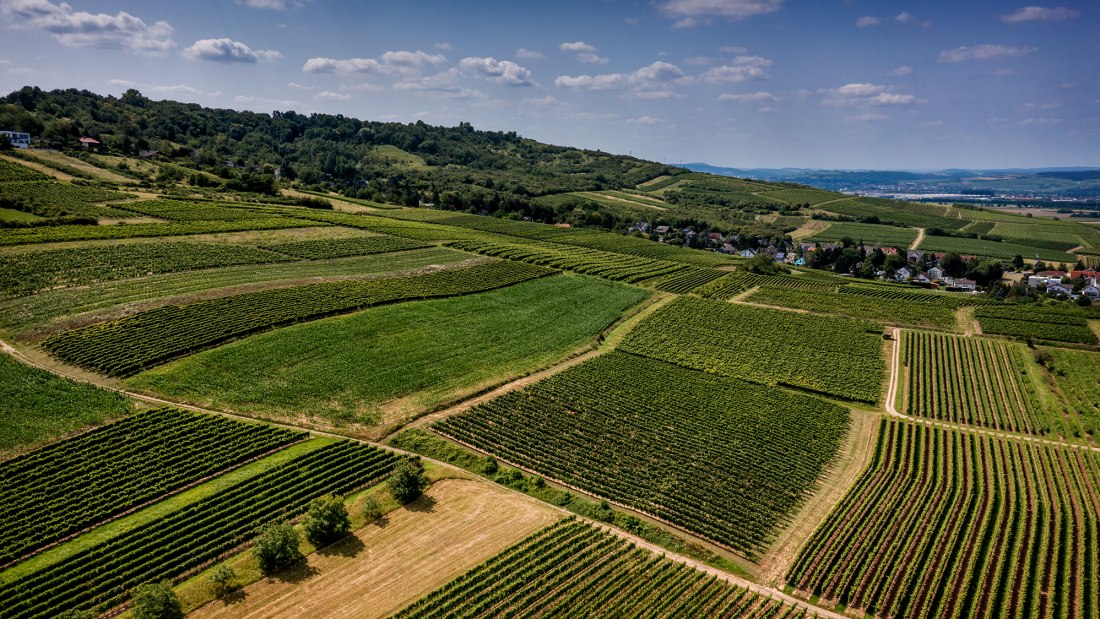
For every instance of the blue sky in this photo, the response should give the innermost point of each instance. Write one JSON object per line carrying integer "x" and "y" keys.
{"x": 747, "y": 83}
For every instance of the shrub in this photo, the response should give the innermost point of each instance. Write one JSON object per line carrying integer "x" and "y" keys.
{"x": 277, "y": 546}
{"x": 327, "y": 520}
{"x": 156, "y": 601}
{"x": 407, "y": 481}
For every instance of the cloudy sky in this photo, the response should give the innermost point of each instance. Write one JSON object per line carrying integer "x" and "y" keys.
{"x": 747, "y": 83}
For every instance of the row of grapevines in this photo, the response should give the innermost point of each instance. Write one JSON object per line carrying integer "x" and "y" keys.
{"x": 129, "y": 345}
{"x": 834, "y": 356}
{"x": 895, "y": 312}
{"x": 723, "y": 458}
{"x": 324, "y": 249}
{"x": 65, "y": 487}
{"x": 617, "y": 267}
{"x": 55, "y": 198}
{"x": 685, "y": 281}
{"x": 958, "y": 524}
{"x": 891, "y": 293}
{"x": 970, "y": 380}
{"x": 571, "y": 569}
{"x": 1055, "y": 324}
{"x": 55, "y": 234}
{"x": 183, "y": 210}
{"x": 13, "y": 172}
{"x": 100, "y": 576}
{"x": 27, "y": 272}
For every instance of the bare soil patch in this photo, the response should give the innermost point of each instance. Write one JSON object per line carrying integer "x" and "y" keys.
{"x": 384, "y": 567}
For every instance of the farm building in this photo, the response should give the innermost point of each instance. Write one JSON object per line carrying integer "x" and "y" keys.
{"x": 18, "y": 139}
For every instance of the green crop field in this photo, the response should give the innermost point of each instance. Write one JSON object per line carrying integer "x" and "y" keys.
{"x": 1074, "y": 376}
{"x": 27, "y": 272}
{"x": 970, "y": 380}
{"x": 934, "y": 314}
{"x": 911, "y": 293}
{"x": 34, "y": 311}
{"x": 62, "y": 488}
{"x": 420, "y": 354}
{"x": 100, "y": 575}
{"x": 866, "y": 234}
{"x": 147, "y": 339}
{"x": 571, "y": 569}
{"x": 697, "y": 450}
{"x": 54, "y": 198}
{"x": 37, "y": 406}
{"x": 834, "y": 356}
{"x": 326, "y": 249}
{"x": 993, "y": 249}
{"x": 57, "y": 234}
{"x": 957, "y": 524}
{"x": 617, "y": 267}
{"x": 1043, "y": 323}
{"x": 182, "y": 210}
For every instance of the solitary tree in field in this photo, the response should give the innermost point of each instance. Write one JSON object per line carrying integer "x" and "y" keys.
{"x": 407, "y": 481}
{"x": 327, "y": 520}
{"x": 220, "y": 577}
{"x": 156, "y": 601}
{"x": 372, "y": 509}
{"x": 277, "y": 546}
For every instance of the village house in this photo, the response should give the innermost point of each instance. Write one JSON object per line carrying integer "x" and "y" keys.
{"x": 921, "y": 278}
{"x": 748, "y": 253}
{"x": 90, "y": 143}
{"x": 914, "y": 255}
{"x": 965, "y": 284}
{"x": 1060, "y": 289}
{"x": 903, "y": 274}
{"x": 18, "y": 139}
{"x": 1092, "y": 290}
{"x": 662, "y": 229}
{"x": 936, "y": 273}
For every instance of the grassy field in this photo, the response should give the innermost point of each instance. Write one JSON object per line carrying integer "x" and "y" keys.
{"x": 123, "y": 297}
{"x": 381, "y": 365}
{"x": 37, "y": 406}
{"x": 726, "y": 459}
{"x": 383, "y": 568}
{"x": 1074, "y": 377}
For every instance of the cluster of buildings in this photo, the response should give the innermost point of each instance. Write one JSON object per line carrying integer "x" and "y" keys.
{"x": 1070, "y": 284}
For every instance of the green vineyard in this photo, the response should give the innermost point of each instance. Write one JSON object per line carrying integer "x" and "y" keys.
{"x": 1042, "y": 323}
{"x": 70, "y": 485}
{"x": 956, "y": 524}
{"x": 571, "y": 569}
{"x": 616, "y": 267}
{"x": 26, "y": 272}
{"x": 129, "y": 345}
{"x": 934, "y": 315}
{"x": 57, "y": 234}
{"x": 723, "y": 458}
{"x": 100, "y": 576}
{"x": 834, "y": 356}
{"x": 326, "y": 249}
{"x": 970, "y": 380}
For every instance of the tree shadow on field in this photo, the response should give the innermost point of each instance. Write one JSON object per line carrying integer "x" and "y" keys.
{"x": 424, "y": 504}
{"x": 234, "y": 596}
{"x": 350, "y": 546}
{"x": 296, "y": 573}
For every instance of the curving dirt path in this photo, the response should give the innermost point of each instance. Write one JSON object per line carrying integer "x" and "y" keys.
{"x": 917, "y": 241}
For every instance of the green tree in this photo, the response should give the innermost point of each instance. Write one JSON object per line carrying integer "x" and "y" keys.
{"x": 277, "y": 546}
{"x": 372, "y": 509}
{"x": 491, "y": 466}
{"x": 156, "y": 601}
{"x": 326, "y": 520}
{"x": 220, "y": 577}
{"x": 407, "y": 481}
{"x": 1084, "y": 301}
{"x": 1017, "y": 262}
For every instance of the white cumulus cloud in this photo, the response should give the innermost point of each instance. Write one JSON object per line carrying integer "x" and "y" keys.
{"x": 658, "y": 72}
{"x": 750, "y": 97}
{"x": 860, "y": 94}
{"x": 331, "y": 96}
{"x": 389, "y": 63}
{"x": 1039, "y": 13}
{"x": 867, "y": 20}
{"x": 901, "y": 71}
{"x": 528, "y": 54}
{"x": 228, "y": 50}
{"x": 82, "y": 29}
{"x": 984, "y": 52}
{"x": 500, "y": 71}
{"x": 729, "y": 9}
